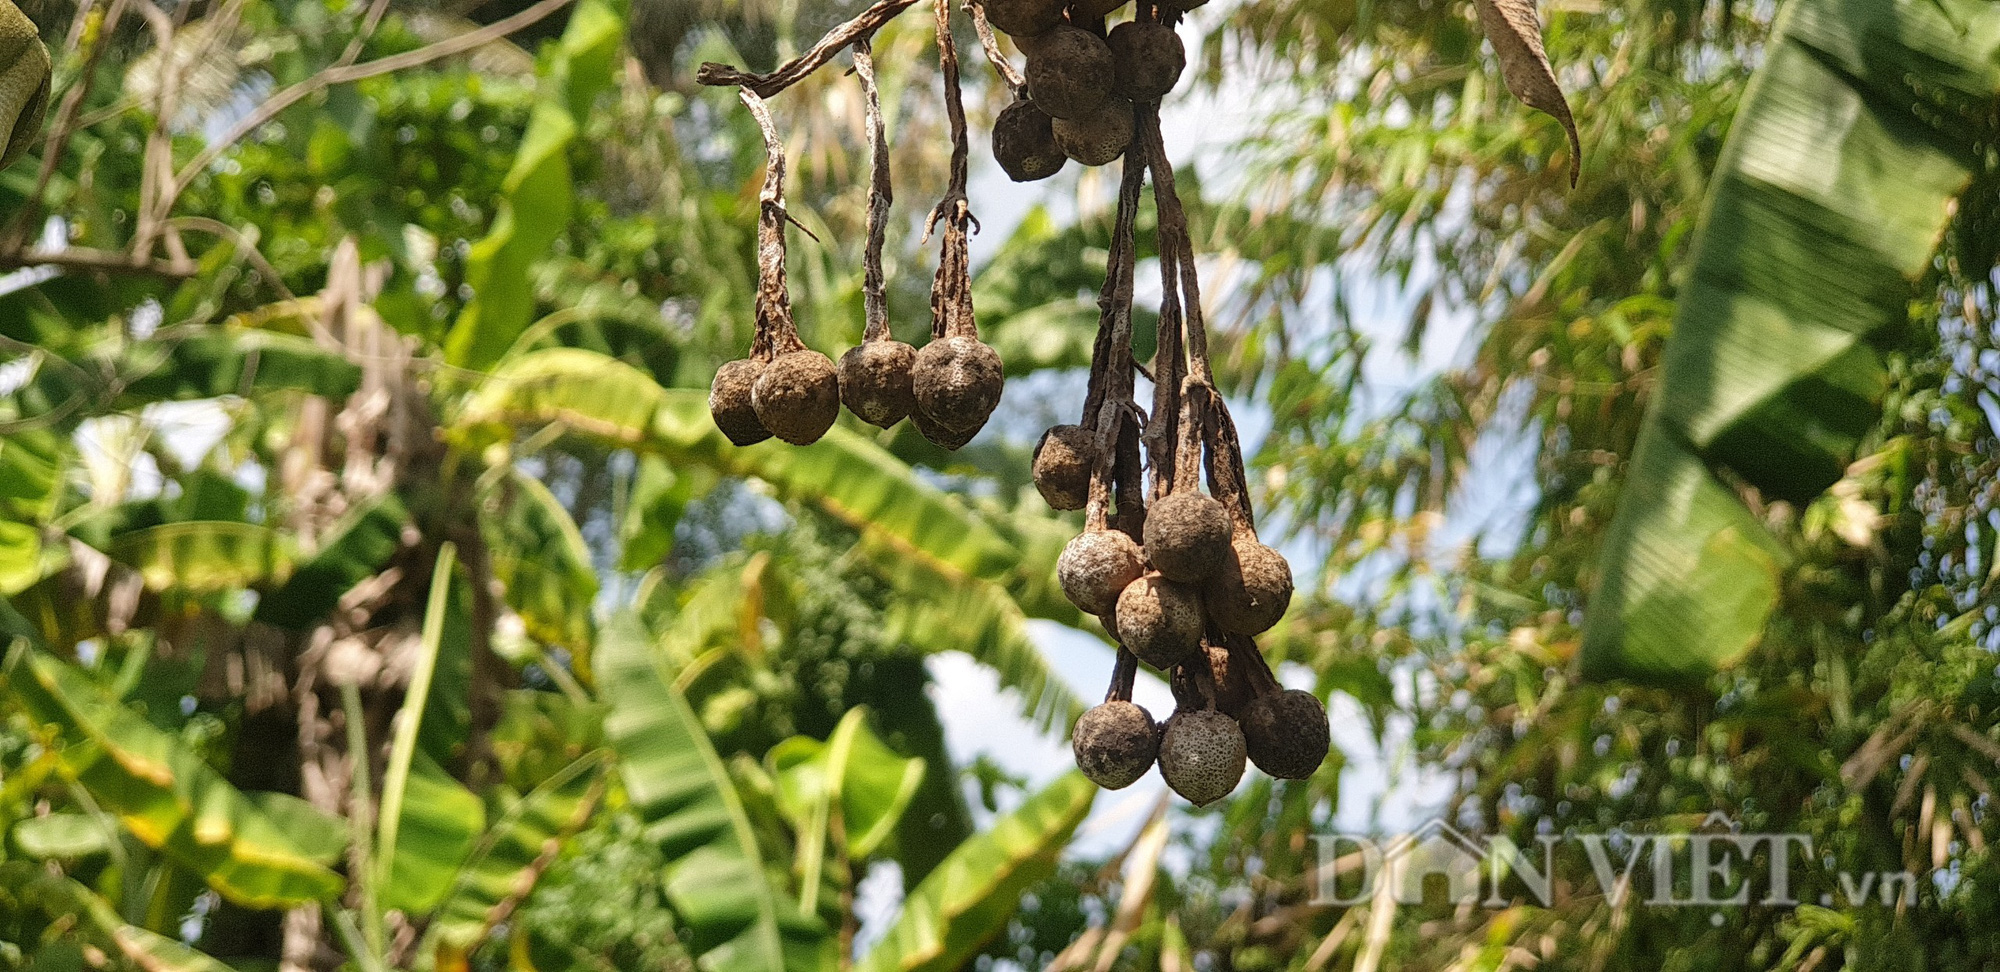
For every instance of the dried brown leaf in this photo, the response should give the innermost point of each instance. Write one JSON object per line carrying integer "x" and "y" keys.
{"x": 1516, "y": 34}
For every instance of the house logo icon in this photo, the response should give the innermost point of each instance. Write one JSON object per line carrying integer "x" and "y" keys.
{"x": 1432, "y": 856}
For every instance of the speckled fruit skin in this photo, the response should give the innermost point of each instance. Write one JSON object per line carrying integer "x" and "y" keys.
{"x": 729, "y": 402}
{"x": 1096, "y": 567}
{"x": 1024, "y": 143}
{"x": 1147, "y": 59}
{"x": 1070, "y": 72}
{"x": 958, "y": 381}
{"x": 798, "y": 396}
{"x": 1115, "y": 744}
{"x": 1252, "y": 590}
{"x": 1099, "y": 137}
{"x": 1286, "y": 734}
{"x": 1062, "y": 464}
{"x": 1187, "y": 536}
{"x": 1159, "y": 621}
{"x": 875, "y": 381}
{"x": 1201, "y": 755}
{"x": 1023, "y": 18}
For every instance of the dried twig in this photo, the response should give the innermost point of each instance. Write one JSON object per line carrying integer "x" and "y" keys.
{"x": 795, "y": 70}
{"x": 776, "y": 332}
{"x": 994, "y": 55}
{"x": 880, "y": 196}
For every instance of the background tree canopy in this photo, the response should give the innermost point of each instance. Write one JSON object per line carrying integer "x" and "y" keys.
{"x": 378, "y": 592}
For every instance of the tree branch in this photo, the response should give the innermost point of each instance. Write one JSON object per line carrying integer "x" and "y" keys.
{"x": 797, "y": 69}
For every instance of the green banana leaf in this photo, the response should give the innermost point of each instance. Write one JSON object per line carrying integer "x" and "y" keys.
{"x": 537, "y": 197}
{"x": 851, "y": 784}
{"x": 25, "y": 886}
{"x": 914, "y": 530}
{"x": 542, "y": 562}
{"x": 972, "y": 895}
{"x": 24, "y": 83}
{"x": 265, "y": 851}
{"x": 527, "y": 833}
{"x": 355, "y": 549}
{"x": 441, "y": 823}
{"x": 235, "y": 361}
{"x": 733, "y": 903}
{"x": 204, "y": 556}
{"x": 1827, "y": 206}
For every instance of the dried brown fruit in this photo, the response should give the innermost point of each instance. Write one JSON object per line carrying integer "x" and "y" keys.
{"x": 1099, "y": 137}
{"x": 958, "y": 381}
{"x": 1188, "y": 536}
{"x": 875, "y": 381}
{"x": 1096, "y": 567}
{"x": 1115, "y": 744}
{"x": 1147, "y": 59}
{"x": 1159, "y": 621}
{"x": 1062, "y": 464}
{"x": 1024, "y": 18}
{"x": 1024, "y": 143}
{"x": 798, "y": 396}
{"x": 729, "y": 402}
{"x": 1286, "y": 734}
{"x": 1252, "y": 590}
{"x": 1201, "y": 755}
{"x": 1070, "y": 72}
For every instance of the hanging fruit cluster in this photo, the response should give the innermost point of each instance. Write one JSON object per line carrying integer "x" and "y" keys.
{"x": 1169, "y": 560}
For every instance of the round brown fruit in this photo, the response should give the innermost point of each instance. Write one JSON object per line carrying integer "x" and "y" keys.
{"x": 1024, "y": 18}
{"x": 1024, "y": 143}
{"x": 1187, "y": 536}
{"x": 958, "y": 381}
{"x": 1063, "y": 460}
{"x": 1115, "y": 744}
{"x": 797, "y": 397}
{"x": 1147, "y": 59}
{"x": 875, "y": 381}
{"x": 1096, "y": 567}
{"x": 1070, "y": 72}
{"x": 1201, "y": 755}
{"x": 729, "y": 402}
{"x": 1098, "y": 137}
{"x": 1286, "y": 733}
{"x": 1252, "y": 590}
{"x": 1159, "y": 621}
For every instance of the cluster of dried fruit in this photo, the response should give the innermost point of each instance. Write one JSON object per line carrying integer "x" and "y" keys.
{"x": 1175, "y": 571}
{"x": 1076, "y": 101}
{"x": 947, "y": 388}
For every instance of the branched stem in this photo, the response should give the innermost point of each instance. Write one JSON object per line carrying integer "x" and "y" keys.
{"x": 797, "y": 69}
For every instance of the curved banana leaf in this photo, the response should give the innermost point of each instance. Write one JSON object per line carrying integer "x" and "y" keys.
{"x": 540, "y": 557}
{"x": 25, "y": 886}
{"x": 203, "y": 556}
{"x": 1828, "y": 204}
{"x": 972, "y": 895}
{"x": 355, "y": 549}
{"x": 731, "y": 901}
{"x": 441, "y": 822}
{"x": 537, "y": 195}
{"x": 914, "y": 530}
{"x": 262, "y": 852}
{"x": 851, "y": 784}
{"x": 24, "y": 83}
{"x": 527, "y": 832}
{"x": 233, "y": 361}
